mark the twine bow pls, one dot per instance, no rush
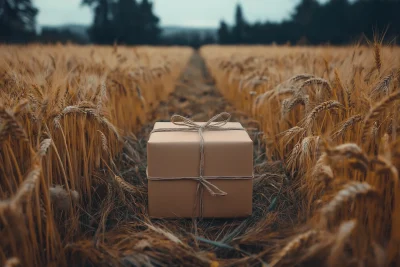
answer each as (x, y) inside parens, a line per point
(216, 123)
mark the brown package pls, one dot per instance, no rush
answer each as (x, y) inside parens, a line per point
(228, 156)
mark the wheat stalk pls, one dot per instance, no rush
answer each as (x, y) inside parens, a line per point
(322, 169)
(289, 104)
(377, 56)
(289, 134)
(382, 86)
(387, 165)
(21, 106)
(294, 247)
(44, 145)
(311, 116)
(374, 112)
(318, 81)
(350, 151)
(12, 126)
(309, 147)
(347, 124)
(104, 141)
(12, 262)
(300, 77)
(165, 233)
(341, 236)
(126, 186)
(349, 192)
(28, 186)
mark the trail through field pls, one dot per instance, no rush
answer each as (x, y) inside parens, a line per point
(196, 97)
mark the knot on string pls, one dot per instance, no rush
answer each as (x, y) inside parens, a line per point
(215, 123)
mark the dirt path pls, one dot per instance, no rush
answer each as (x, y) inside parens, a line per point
(196, 97)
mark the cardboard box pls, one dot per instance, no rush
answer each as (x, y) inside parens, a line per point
(228, 159)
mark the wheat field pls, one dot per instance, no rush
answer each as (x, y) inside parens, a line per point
(64, 111)
(329, 113)
(73, 126)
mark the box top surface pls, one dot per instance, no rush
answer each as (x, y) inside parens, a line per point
(210, 136)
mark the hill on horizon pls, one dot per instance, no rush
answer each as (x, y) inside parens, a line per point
(167, 31)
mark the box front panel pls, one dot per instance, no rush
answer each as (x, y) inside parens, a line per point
(177, 199)
(183, 159)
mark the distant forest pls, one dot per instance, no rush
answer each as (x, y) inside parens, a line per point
(133, 22)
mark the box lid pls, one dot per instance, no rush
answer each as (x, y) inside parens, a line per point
(177, 154)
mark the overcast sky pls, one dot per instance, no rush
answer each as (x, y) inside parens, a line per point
(190, 13)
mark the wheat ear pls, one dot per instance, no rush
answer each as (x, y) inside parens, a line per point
(347, 124)
(44, 145)
(301, 77)
(28, 185)
(330, 104)
(318, 81)
(348, 193)
(374, 112)
(125, 185)
(341, 236)
(300, 242)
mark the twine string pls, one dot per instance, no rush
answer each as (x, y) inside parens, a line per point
(216, 123)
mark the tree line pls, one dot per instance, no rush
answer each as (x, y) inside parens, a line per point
(124, 21)
(133, 22)
(334, 22)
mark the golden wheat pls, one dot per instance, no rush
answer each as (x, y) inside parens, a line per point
(357, 153)
(63, 112)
